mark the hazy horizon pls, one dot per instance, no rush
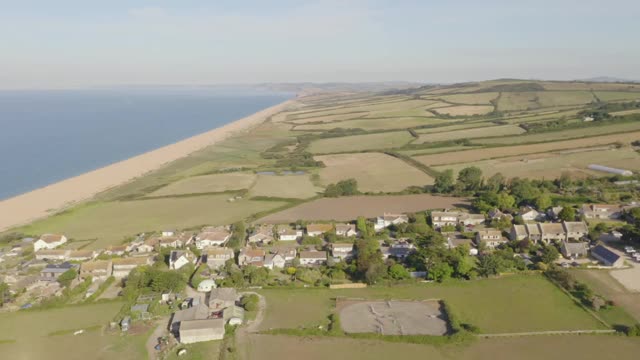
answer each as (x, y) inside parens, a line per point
(74, 44)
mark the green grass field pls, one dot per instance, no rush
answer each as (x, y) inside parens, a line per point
(385, 123)
(207, 184)
(508, 304)
(208, 350)
(374, 172)
(285, 186)
(266, 347)
(48, 334)
(480, 132)
(111, 222)
(386, 140)
(562, 134)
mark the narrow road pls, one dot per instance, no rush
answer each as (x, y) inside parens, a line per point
(160, 330)
(251, 327)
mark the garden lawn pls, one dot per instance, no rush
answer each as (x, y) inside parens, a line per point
(517, 303)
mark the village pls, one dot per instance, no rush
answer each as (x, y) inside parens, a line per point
(211, 297)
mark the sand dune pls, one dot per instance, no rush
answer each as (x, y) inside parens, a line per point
(42, 202)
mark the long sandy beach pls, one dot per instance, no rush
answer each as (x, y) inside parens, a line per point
(42, 202)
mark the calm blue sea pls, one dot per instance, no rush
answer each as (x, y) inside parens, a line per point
(48, 136)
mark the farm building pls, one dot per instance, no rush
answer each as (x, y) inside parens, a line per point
(221, 298)
(607, 256)
(193, 331)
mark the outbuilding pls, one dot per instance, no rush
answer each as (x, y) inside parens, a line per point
(193, 331)
(206, 285)
(607, 256)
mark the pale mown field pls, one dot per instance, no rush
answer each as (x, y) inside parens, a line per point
(374, 172)
(464, 110)
(207, 184)
(501, 130)
(617, 95)
(470, 99)
(386, 140)
(285, 186)
(506, 151)
(34, 334)
(376, 124)
(514, 101)
(563, 134)
(553, 165)
(524, 348)
(111, 222)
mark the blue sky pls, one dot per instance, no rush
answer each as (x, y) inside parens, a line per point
(53, 44)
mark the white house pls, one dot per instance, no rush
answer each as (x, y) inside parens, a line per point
(180, 258)
(274, 261)
(530, 214)
(444, 218)
(347, 230)
(388, 219)
(217, 236)
(288, 234)
(49, 241)
(342, 251)
(490, 237)
(310, 258)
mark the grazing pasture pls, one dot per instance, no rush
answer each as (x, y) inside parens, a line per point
(618, 95)
(379, 141)
(285, 186)
(207, 184)
(266, 347)
(470, 99)
(553, 164)
(111, 222)
(506, 151)
(349, 208)
(49, 334)
(386, 123)
(516, 303)
(594, 130)
(374, 172)
(329, 118)
(486, 131)
(464, 110)
(518, 101)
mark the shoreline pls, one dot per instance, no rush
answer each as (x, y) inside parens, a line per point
(45, 201)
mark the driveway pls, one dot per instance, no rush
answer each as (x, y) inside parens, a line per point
(243, 335)
(152, 341)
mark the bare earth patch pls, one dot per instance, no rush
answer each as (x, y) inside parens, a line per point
(394, 318)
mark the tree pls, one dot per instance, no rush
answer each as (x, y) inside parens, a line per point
(5, 294)
(367, 256)
(542, 202)
(398, 272)
(439, 271)
(67, 277)
(495, 182)
(470, 178)
(238, 237)
(375, 272)
(549, 254)
(488, 265)
(443, 183)
(567, 214)
(342, 188)
(363, 228)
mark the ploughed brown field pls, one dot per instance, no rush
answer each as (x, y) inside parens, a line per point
(349, 208)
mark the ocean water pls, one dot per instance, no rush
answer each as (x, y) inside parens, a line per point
(48, 136)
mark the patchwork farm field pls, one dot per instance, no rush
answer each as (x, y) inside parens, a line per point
(562, 134)
(386, 140)
(112, 222)
(349, 208)
(552, 165)
(517, 303)
(207, 184)
(266, 347)
(285, 186)
(385, 123)
(374, 172)
(464, 110)
(49, 334)
(456, 157)
(486, 131)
